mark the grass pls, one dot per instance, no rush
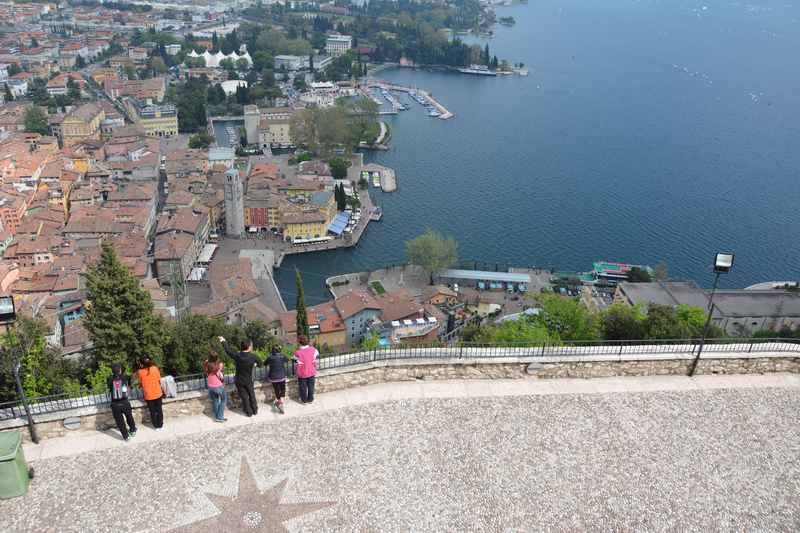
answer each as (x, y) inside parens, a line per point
(377, 287)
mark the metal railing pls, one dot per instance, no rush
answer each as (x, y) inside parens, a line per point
(194, 382)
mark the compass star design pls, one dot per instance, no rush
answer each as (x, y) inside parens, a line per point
(251, 510)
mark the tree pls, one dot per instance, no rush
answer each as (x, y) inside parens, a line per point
(42, 368)
(341, 197)
(302, 316)
(14, 69)
(8, 96)
(338, 168)
(521, 331)
(311, 62)
(228, 64)
(257, 332)
(567, 318)
(80, 62)
(661, 271)
(623, 322)
(662, 323)
(242, 64)
(432, 251)
(639, 275)
(119, 317)
(201, 140)
(35, 120)
(158, 65)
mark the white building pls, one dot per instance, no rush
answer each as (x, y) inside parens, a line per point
(17, 87)
(291, 63)
(213, 60)
(173, 49)
(230, 86)
(337, 45)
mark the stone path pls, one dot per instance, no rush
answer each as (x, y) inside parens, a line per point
(656, 453)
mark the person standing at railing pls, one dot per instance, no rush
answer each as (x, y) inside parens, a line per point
(150, 378)
(215, 380)
(118, 387)
(245, 363)
(276, 363)
(307, 359)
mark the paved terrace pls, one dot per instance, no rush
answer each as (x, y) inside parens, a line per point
(714, 453)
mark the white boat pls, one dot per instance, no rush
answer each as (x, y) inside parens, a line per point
(433, 113)
(478, 70)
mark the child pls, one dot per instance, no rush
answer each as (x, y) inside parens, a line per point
(118, 387)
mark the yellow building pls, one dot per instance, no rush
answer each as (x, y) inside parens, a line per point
(83, 123)
(275, 127)
(304, 225)
(155, 120)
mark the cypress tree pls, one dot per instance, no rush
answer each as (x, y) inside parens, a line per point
(120, 318)
(302, 317)
(9, 97)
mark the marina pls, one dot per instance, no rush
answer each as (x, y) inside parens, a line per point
(424, 98)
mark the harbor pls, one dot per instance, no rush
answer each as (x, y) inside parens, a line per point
(424, 98)
(380, 176)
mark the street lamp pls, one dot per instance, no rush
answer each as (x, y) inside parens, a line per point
(723, 262)
(8, 315)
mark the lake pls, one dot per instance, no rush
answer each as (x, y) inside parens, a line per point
(645, 132)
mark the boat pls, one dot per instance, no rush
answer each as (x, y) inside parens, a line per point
(478, 70)
(376, 179)
(433, 113)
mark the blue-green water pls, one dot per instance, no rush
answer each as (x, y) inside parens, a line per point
(608, 150)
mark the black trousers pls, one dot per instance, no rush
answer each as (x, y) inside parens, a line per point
(156, 413)
(279, 387)
(248, 397)
(306, 386)
(121, 409)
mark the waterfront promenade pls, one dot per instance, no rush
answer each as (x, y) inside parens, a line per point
(658, 453)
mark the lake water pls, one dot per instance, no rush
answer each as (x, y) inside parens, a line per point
(646, 131)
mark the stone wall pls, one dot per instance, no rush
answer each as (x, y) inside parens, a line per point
(196, 402)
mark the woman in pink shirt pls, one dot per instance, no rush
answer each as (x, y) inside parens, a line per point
(307, 359)
(215, 379)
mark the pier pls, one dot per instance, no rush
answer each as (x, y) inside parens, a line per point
(444, 114)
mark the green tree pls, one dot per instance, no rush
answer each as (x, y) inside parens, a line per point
(567, 318)
(663, 323)
(201, 140)
(8, 96)
(521, 331)
(80, 63)
(623, 322)
(190, 340)
(14, 69)
(257, 332)
(302, 316)
(639, 275)
(35, 120)
(338, 168)
(157, 65)
(432, 251)
(42, 368)
(119, 317)
(242, 64)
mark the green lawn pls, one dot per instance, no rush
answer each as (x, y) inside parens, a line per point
(377, 287)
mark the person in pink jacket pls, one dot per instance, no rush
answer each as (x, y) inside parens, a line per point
(307, 359)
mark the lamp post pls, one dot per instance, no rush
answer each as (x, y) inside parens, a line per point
(8, 316)
(723, 262)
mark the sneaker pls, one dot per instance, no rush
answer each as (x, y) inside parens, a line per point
(132, 433)
(160, 429)
(126, 439)
(220, 419)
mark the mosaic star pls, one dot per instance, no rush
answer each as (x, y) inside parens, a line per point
(251, 510)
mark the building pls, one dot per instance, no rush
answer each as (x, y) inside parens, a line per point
(274, 128)
(234, 204)
(359, 310)
(291, 63)
(738, 312)
(304, 225)
(252, 118)
(82, 124)
(155, 120)
(485, 280)
(213, 60)
(337, 45)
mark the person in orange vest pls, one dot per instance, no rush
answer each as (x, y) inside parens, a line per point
(150, 378)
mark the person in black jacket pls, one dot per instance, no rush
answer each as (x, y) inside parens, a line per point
(245, 362)
(277, 376)
(118, 387)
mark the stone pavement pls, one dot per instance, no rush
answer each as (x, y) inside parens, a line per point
(654, 453)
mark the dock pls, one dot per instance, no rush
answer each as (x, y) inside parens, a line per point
(444, 114)
(388, 180)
